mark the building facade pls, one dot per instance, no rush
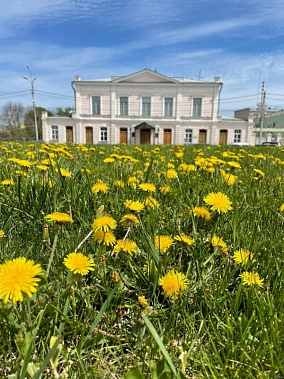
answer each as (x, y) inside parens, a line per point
(272, 127)
(146, 107)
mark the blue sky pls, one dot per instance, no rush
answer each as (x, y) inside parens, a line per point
(239, 40)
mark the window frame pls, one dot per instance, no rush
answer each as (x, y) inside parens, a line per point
(188, 136)
(237, 135)
(143, 102)
(197, 108)
(168, 107)
(96, 112)
(54, 131)
(122, 104)
(103, 134)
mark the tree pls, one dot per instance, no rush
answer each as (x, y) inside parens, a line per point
(63, 112)
(12, 115)
(29, 119)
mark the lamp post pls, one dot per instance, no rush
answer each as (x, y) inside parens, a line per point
(31, 80)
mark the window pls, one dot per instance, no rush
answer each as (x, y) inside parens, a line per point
(96, 104)
(146, 106)
(168, 106)
(188, 136)
(196, 107)
(54, 132)
(237, 135)
(124, 106)
(103, 134)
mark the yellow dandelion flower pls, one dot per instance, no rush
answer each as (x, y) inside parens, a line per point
(18, 276)
(109, 160)
(24, 163)
(2, 234)
(46, 182)
(147, 267)
(171, 174)
(234, 164)
(228, 178)
(42, 167)
(147, 187)
(165, 189)
(78, 263)
(202, 212)
(135, 206)
(142, 301)
(47, 162)
(132, 180)
(100, 187)
(129, 220)
(104, 238)
(251, 278)
(185, 239)
(104, 223)
(219, 202)
(173, 284)
(243, 256)
(126, 245)
(64, 172)
(163, 243)
(259, 172)
(282, 208)
(115, 276)
(59, 217)
(151, 202)
(218, 242)
(8, 182)
(85, 171)
(119, 183)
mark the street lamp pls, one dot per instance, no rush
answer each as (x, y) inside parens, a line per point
(31, 80)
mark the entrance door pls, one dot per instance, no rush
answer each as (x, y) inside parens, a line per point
(89, 135)
(223, 137)
(69, 134)
(145, 136)
(202, 136)
(123, 135)
(167, 136)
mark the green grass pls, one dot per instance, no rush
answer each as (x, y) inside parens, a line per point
(216, 328)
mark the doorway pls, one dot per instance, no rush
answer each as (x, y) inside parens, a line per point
(167, 136)
(145, 136)
(223, 137)
(123, 135)
(69, 134)
(89, 135)
(202, 136)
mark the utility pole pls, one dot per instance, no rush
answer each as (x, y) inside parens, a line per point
(262, 112)
(31, 80)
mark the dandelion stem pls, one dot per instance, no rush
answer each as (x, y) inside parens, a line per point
(126, 234)
(52, 252)
(84, 240)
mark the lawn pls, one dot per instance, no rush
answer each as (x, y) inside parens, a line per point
(141, 262)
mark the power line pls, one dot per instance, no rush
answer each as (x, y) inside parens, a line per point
(13, 93)
(238, 97)
(54, 94)
(274, 94)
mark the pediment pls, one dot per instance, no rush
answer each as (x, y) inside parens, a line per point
(144, 125)
(146, 76)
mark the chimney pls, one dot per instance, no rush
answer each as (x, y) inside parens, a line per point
(77, 78)
(217, 79)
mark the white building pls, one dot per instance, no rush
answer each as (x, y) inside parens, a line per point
(146, 107)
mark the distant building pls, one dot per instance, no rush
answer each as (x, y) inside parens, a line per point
(273, 124)
(146, 107)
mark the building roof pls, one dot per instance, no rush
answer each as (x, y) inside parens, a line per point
(149, 76)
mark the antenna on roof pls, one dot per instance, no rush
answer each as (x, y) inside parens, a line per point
(199, 75)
